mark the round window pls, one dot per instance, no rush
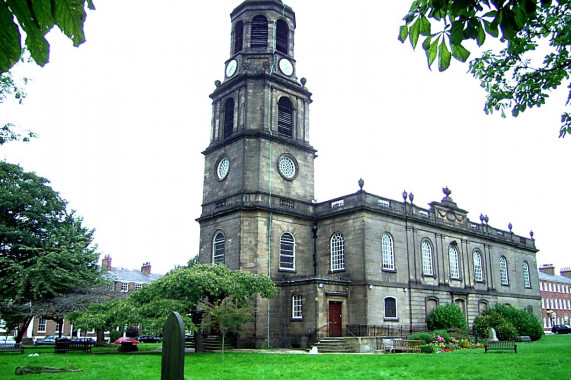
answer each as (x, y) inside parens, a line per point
(223, 168)
(287, 167)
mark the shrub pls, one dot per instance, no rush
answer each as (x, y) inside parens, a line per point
(132, 332)
(523, 322)
(443, 333)
(429, 349)
(446, 316)
(506, 331)
(464, 343)
(424, 337)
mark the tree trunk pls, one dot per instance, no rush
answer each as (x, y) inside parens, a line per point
(22, 329)
(223, 335)
(100, 337)
(197, 320)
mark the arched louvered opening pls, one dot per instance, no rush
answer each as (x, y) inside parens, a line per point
(238, 37)
(282, 35)
(285, 117)
(218, 248)
(228, 118)
(259, 36)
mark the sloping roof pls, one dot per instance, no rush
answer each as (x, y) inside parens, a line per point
(131, 275)
(554, 277)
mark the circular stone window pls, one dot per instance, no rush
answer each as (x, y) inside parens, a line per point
(287, 167)
(223, 168)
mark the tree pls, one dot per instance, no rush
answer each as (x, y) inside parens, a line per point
(228, 315)
(515, 77)
(36, 19)
(45, 251)
(184, 289)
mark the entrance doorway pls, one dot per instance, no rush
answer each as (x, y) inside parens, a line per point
(335, 325)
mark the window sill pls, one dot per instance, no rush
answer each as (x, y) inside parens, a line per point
(506, 285)
(456, 278)
(391, 319)
(429, 275)
(389, 270)
(479, 281)
(297, 319)
(336, 270)
(286, 270)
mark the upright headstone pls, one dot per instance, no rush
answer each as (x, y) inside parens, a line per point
(173, 348)
(492, 336)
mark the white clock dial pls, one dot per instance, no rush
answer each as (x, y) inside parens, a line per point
(286, 67)
(223, 168)
(231, 68)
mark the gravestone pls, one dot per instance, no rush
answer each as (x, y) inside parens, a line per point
(492, 336)
(173, 348)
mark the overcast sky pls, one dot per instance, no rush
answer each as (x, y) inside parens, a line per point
(123, 119)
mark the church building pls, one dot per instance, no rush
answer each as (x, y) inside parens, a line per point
(359, 260)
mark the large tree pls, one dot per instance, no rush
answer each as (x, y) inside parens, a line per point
(516, 77)
(45, 251)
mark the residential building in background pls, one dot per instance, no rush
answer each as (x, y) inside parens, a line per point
(555, 296)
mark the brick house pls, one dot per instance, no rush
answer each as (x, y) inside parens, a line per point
(555, 293)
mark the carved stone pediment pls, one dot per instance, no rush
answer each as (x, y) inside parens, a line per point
(447, 209)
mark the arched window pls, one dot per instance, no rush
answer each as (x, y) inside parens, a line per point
(228, 118)
(478, 273)
(504, 279)
(426, 248)
(218, 248)
(390, 307)
(287, 252)
(337, 252)
(238, 37)
(482, 306)
(526, 279)
(282, 35)
(388, 252)
(285, 117)
(454, 265)
(431, 303)
(259, 36)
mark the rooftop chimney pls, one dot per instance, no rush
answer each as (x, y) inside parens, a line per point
(146, 268)
(547, 269)
(566, 272)
(106, 263)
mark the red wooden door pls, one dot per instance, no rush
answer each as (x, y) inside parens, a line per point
(335, 325)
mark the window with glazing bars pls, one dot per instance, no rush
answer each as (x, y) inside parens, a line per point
(390, 307)
(454, 266)
(388, 252)
(426, 248)
(478, 273)
(282, 35)
(218, 248)
(285, 117)
(287, 252)
(504, 271)
(238, 37)
(337, 252)
(259, 36)
(296, 307)
(526, 279)
(228, 117)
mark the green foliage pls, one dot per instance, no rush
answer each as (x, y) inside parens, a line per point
(36, 19)
(45, 251)
(446, 316)
(513, 78)
(114, 335)
(442, 333)
(429, 349)
(506, 331)
(424, 337)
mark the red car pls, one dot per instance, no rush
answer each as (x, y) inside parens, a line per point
(126, 339)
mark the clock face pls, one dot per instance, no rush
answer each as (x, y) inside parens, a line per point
(231, 68)
(286, 67)
(223, 168)
(287, 167)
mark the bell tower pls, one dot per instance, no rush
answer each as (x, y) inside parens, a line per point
(259, 161)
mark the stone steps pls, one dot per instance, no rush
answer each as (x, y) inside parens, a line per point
(333, 345)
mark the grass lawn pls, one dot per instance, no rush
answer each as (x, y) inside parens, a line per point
(548, 358)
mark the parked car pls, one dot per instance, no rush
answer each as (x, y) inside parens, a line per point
(89, 340)
(7, 340)
(148, 339)
(48, 340)
(126, 339)
(561, 329)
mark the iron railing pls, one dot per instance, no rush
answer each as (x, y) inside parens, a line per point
(383, 330)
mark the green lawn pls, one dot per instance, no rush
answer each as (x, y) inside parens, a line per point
(547, 358)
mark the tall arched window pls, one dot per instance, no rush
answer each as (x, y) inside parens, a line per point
(478, 273)
(390, 307)
(218, 248)
(259, 36)
(431, 303)
(228, 118)
(287, 252)
(282, 35)
(454, 265)
(526, 279)
(337, 252)
(285, 117)
(426, 248)
(504, 271)
(238, 37)
(388, 252)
